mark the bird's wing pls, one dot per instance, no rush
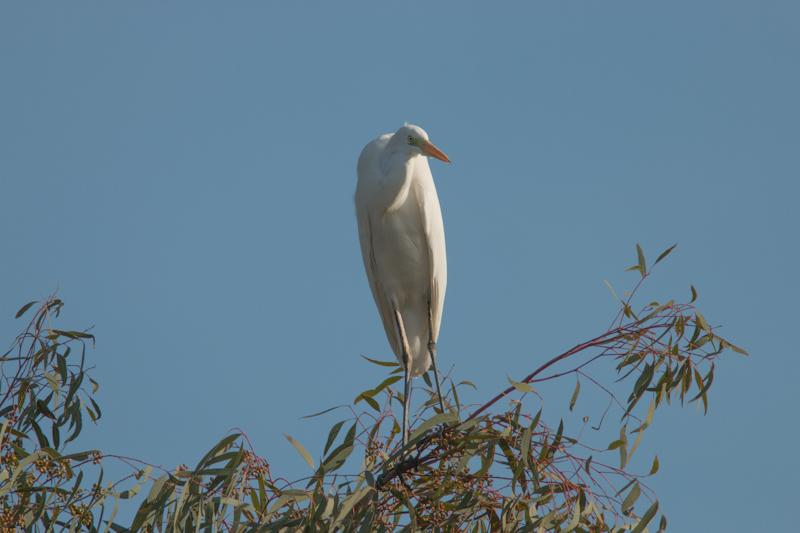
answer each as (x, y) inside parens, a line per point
(431, 215)
(381, 299)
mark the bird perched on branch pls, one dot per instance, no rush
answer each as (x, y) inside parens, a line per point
(402, 243)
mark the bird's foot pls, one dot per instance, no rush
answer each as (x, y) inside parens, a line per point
(437, 434)
(402, 467)
(404, 482)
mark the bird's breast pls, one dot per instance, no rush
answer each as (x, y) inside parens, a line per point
(403, 260)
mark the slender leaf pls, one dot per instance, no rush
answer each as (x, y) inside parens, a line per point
(655, 466)
(441, 418)
(612, 289)
(523, 387)
(332, 435)
(576, 518)
(665, 254)
(702, 321)
(381, 363)
(726, 344)
(302, 450)
(630, 499)
(24, 308)
(525, 447)
(648, 516)
(323, 412)
(372, 403)
(575, 395)
(642, 266)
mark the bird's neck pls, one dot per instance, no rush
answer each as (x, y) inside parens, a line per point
(397, 180)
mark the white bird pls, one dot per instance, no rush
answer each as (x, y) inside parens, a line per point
(402, 243)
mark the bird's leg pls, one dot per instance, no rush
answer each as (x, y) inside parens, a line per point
(432, 351)
(406, 353)
(406, 400)
(401, 332)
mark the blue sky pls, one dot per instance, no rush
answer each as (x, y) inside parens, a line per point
(184, 174)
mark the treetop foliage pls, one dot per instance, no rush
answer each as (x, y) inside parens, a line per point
(471, 468)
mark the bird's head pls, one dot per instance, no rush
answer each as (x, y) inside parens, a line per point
(415, 140)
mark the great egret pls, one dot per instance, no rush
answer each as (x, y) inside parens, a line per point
(402, 243)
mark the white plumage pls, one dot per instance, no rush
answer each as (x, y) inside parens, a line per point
(402, 243)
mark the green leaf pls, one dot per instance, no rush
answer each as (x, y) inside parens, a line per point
(694, 295)
(634, 267)
(702, 340)
(76, 334)
(332, 435)
(364, 395)
(339, 454)
(650, 411)
(381, 363)
(42, 408)
(299, 493)
(280, 502)
(24, 308)
(703, 385)
(697, 330)
(628, 484)
(525, 447)
(642, 383)
(323, 412)
(62, 368)
(642, 266)
(575, 395)
(648, 516)
(576, 518)
(43, 442)
(631, 498)
(536, 419)
(156, 488)
(347, 505)
(612, 289)
(702, 321)
(469, 423)
(80, 456)
(523, 387)
(665, 254)
(655, 466)
(302, 450)
(726, 344)
(367, 395)
(96, 408)
(455, 396)
(372, 403)
(586, 466)
(441, 418)
(427, 379)
(386, 383)
(35, 456)
(351, 434)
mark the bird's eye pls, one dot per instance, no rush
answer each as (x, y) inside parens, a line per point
(410, 139)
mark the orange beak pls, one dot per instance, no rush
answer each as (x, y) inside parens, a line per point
(431, 151)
